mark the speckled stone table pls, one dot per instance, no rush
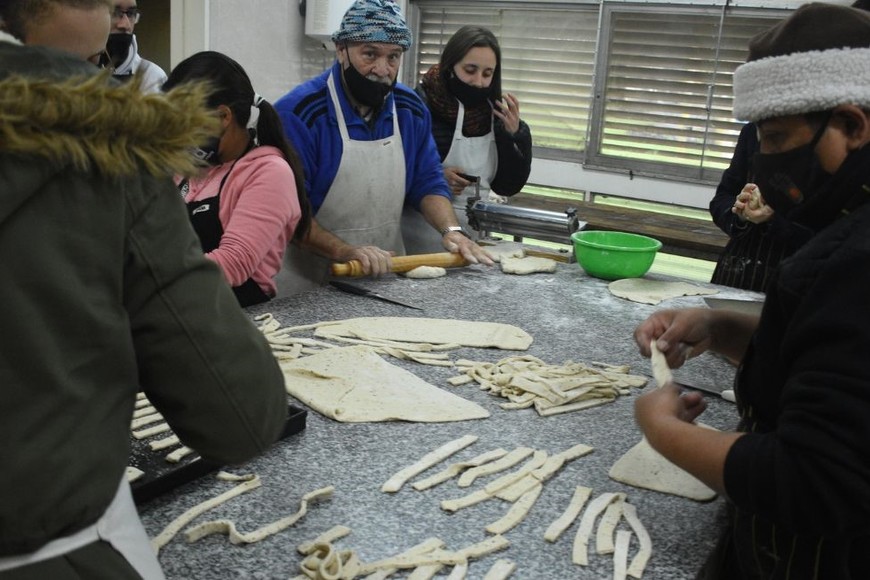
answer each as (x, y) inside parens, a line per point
(571, 317)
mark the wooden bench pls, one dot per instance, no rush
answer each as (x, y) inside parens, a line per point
(683, 236)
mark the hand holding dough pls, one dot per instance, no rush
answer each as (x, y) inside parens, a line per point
(660, 369)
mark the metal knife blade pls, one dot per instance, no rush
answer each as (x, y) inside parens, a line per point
(360, 291)
(745, 306)
(726, 394)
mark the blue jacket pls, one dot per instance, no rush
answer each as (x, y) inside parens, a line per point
(309, 119)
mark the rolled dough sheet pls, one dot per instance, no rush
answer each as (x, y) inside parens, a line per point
(355, 385)
(527, 265)
(654, 291)
(644, 467)
(430, 330)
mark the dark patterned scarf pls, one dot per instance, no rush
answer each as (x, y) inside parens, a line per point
(478, 120)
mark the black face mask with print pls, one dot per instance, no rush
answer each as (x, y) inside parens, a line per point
(368, 92)
(118, 46)
(208, 152)
(468, 95)
(787, 179)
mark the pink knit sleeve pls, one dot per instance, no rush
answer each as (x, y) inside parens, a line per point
(259, 212)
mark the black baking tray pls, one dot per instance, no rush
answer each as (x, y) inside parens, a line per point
(162, 476)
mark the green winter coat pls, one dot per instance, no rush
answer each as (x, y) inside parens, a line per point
(104, 291)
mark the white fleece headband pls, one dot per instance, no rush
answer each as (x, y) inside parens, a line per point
(814, 60)
(6, 37)
(802, 82)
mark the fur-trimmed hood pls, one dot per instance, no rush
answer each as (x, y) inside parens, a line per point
(57, 111)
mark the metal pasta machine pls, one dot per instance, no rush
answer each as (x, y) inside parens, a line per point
(523, 222)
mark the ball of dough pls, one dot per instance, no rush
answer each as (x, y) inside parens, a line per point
(425, 272)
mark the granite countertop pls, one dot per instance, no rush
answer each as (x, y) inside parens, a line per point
(571, 317)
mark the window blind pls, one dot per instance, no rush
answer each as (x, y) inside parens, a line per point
(659, 103)
(665, 89)
(547, 61)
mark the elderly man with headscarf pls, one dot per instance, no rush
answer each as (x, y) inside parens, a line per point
(366, 143)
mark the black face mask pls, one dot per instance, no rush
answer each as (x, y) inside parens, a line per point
(468, 95)
(208, 152)
(366, 91)
(118, 46)
(787, 179)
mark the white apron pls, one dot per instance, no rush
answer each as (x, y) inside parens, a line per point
(120, 526)
(476, 156)
(363, 206)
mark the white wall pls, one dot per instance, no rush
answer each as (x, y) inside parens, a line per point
(267, 37)
(264, 36)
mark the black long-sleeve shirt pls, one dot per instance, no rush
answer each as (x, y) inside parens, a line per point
(753, 251)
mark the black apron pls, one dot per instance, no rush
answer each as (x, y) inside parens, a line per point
(749, 259)
(206, 223)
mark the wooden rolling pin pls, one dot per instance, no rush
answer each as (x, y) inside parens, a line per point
(403, 263)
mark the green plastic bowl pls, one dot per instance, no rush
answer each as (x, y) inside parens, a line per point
(614, 255)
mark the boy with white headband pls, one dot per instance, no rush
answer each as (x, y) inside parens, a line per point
(797, 472)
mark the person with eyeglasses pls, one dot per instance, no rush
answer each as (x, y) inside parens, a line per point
(123, 49)
(106, 292)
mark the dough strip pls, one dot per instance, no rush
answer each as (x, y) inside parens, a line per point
(175, 525)
(660, 369)
(501, 570)
(228, 527)
(575, 506)
(580, 552)
(620, 554)
(457, 468)
(396, 482)
(638, 563)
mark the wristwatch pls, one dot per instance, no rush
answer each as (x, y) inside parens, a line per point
(448, 229)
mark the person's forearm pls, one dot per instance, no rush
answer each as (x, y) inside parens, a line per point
(698, 450)
(438, 211)
(324, 243)
(731, 333)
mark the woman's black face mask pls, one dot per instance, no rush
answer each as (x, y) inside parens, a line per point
(786, 179)
(366, 91)
(208, 152)
(468, 95)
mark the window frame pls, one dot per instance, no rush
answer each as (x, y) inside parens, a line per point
(412, 59)
(718, 89)
(589, 157)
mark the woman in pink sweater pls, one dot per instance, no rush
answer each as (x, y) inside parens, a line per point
(250, 202)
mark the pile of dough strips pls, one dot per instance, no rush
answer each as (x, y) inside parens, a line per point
(524, 380)
(287, 347)
(528, 381)
(521, 488)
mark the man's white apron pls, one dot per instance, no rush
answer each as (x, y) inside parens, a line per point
(363, 206)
